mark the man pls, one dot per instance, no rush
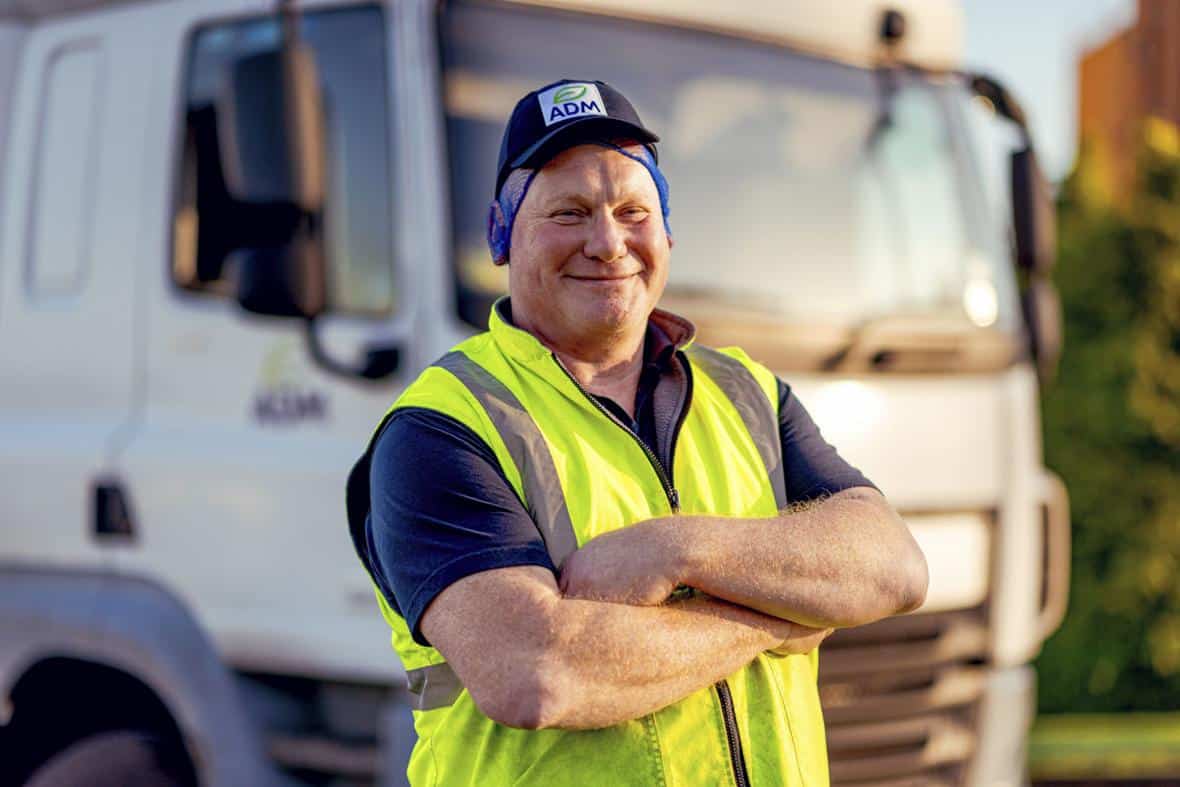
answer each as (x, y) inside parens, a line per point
(607, 554)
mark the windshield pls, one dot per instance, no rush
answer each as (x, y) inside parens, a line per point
(802, 191)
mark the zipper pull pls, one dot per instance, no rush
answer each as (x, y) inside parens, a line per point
(674, 499)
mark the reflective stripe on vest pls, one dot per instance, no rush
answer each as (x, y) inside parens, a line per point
(436, 686)
(757, 413)
(530, 452)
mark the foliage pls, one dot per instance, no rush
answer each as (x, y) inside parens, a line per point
(1092, 746)
(1112, 430)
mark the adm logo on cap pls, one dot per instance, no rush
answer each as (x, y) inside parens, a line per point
(570, 101)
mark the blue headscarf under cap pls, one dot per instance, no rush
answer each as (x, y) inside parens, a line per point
(502, 210)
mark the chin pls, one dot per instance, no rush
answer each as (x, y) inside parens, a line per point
(609, 314)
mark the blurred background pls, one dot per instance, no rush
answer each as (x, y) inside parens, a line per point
(1101, 84)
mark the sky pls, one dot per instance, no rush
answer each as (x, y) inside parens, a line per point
(1033, 46)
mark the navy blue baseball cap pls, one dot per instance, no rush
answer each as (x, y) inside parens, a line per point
(561, 115)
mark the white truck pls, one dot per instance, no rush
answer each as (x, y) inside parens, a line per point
(231, 232)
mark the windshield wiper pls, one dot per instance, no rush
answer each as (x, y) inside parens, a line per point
(921, 343)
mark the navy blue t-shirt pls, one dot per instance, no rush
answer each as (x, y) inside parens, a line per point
(441, 508)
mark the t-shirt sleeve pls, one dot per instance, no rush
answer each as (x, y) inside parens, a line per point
(813, 467)
(441, 509)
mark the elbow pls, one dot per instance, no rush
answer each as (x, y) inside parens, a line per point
(527, 705)
(535, 697)
(898, 586)
(906, 576)
(900, 576)
(911, 579)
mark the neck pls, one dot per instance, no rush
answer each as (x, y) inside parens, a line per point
(609, 367)
(616, 379)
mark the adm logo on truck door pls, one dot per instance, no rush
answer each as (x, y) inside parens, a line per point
(283, 397)
(569, 101)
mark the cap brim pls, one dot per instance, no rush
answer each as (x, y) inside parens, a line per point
(575, 132)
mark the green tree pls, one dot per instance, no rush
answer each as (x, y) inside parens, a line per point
(1112, 430)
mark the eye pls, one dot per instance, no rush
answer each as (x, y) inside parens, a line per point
(634, 212)
(566, 214)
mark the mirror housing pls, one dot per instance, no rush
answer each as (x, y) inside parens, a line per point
(282, 281)
(1042, 314)
(271, 128)
(271, 134)
(1034, 216)
(1034, 229)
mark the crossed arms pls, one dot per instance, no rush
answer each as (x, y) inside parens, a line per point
(606, 646)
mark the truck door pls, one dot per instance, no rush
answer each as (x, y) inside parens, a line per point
(67, 321)
(237, 472)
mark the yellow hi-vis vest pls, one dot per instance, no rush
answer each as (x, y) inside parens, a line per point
(580, 474)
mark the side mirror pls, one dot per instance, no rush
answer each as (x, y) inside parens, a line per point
(1034, 226)
(1034, 216)
(271, 129)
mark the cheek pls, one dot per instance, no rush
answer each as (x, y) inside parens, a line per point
(538, 255)
(547, 245)
(557, 241)
(655, 247)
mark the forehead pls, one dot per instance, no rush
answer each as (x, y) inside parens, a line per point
(593, 170)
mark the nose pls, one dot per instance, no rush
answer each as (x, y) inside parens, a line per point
(607, 241)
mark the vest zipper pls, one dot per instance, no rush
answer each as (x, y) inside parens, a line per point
(732, 738)
(731, 735)
(669, 490)
(680, 416)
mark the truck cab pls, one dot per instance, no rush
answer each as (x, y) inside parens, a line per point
(232, 231)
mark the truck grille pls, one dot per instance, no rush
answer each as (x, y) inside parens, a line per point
(900, 697)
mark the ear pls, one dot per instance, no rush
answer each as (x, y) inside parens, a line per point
(499, 235)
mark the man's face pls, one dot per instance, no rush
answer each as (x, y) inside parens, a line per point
(589, 255)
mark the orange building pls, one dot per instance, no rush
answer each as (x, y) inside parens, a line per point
(1132, 75)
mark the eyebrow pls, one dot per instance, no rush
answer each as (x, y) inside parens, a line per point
(566, 196)
(625, 194)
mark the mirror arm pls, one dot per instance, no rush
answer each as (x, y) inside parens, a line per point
(381, 361)
(1005, 103)
(288, 23)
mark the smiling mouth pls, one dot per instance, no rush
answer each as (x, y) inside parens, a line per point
(604, 278)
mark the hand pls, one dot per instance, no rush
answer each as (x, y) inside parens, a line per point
(633, 565)
(800, 639)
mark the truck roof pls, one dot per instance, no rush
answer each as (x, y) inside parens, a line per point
(31, 10)
(848, 30)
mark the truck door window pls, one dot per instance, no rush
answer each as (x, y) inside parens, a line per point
(210, 225)
(63, 195)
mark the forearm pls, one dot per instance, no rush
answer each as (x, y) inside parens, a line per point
(532, 657)
(614, 662)
(842, 562)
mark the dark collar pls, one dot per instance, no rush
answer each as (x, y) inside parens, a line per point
(666, 333)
